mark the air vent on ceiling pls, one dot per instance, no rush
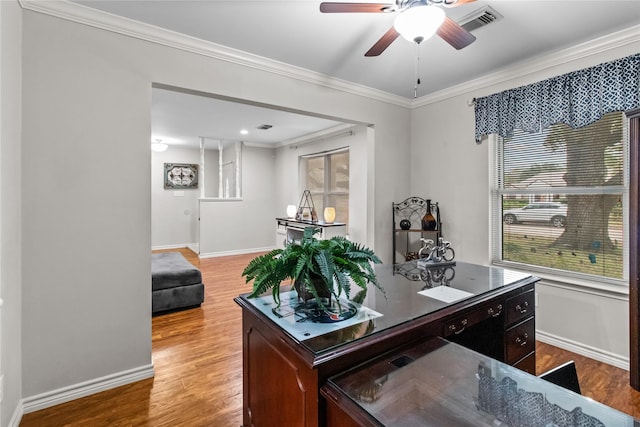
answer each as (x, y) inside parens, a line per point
(265, 127)
(479, 18)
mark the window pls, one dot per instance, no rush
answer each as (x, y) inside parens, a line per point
(326, 176)
(560, 199)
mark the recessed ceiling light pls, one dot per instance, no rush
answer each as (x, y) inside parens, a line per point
(159, 146)
(244, 132)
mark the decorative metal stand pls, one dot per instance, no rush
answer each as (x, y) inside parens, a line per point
(407, 227)
(306, 208)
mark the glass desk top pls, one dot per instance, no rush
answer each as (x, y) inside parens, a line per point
(440, 383)
(409, 293)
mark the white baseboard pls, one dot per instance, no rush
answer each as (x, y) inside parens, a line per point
(16, 417)
(76, 391)
(164, 247)
(236, 252)
(196, 248)
(584, 350)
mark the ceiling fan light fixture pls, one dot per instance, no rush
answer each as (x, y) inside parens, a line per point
(419, 23)
(159, 146)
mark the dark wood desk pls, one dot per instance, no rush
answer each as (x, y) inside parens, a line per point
(283, 370)
(438, 383)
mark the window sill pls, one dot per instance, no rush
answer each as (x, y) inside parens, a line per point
(589, 284)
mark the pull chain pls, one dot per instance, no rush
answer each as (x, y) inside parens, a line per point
(417, 71)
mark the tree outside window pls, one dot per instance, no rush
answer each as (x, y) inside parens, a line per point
(561, 196)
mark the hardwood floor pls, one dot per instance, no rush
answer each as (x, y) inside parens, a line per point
(599, 381)
(197, 361)
(197, 355)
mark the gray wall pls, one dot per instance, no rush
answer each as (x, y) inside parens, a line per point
(360, 180)
(174, 213)
(572, 315)
(86, 205)
(86, 294)
(230, 227)
(10, 208)
(269, 184)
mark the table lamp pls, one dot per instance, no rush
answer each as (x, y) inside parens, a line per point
(291, 211)
(329, 214)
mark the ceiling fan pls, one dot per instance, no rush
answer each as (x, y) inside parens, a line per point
(417, 21)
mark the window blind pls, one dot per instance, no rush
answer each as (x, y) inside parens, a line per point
(561, 197)
(326, 176)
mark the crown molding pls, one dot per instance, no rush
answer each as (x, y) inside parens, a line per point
(537, 64)
(98, 19)
(106, 21)
(345, 129)
(320, 135)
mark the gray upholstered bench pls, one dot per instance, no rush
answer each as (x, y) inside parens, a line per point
(175, 283)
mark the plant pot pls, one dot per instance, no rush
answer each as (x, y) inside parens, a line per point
(324, 310)
(305, 293)
(330, 311)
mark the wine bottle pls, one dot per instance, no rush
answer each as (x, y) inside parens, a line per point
(428, 220)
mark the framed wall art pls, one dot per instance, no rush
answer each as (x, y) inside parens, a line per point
(180, 175)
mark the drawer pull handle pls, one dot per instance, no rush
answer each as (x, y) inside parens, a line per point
(493, 313)
(457, 331)
(522, 308)
(522, 341)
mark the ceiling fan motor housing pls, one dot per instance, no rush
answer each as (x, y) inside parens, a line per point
(419, 22)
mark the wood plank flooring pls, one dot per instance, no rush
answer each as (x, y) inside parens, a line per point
(197, 355)
(601, 382)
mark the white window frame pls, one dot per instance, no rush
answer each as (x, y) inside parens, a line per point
(548, 274)
(326, 193)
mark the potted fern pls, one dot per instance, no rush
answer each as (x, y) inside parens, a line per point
(319, 269)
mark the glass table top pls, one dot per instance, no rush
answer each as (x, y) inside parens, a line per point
(441, 383)
(410, 292)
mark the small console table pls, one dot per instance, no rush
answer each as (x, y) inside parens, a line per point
(286, 364)
(289, 229)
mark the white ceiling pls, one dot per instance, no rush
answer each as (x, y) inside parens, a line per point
(294, 32)
(181, 118)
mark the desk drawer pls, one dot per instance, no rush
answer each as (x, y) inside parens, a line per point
(528, 364)
(520, 340)
(458, 324)
(520, 307)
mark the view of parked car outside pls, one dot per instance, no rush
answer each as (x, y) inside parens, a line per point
(545, 212)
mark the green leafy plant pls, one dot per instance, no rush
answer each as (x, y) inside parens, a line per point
(315, 265)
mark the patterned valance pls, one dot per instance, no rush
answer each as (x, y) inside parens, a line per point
(576, 99)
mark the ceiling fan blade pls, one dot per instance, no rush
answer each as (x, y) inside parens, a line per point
(454, 34)
(457, 3)
(331, 7)
(383, 42)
